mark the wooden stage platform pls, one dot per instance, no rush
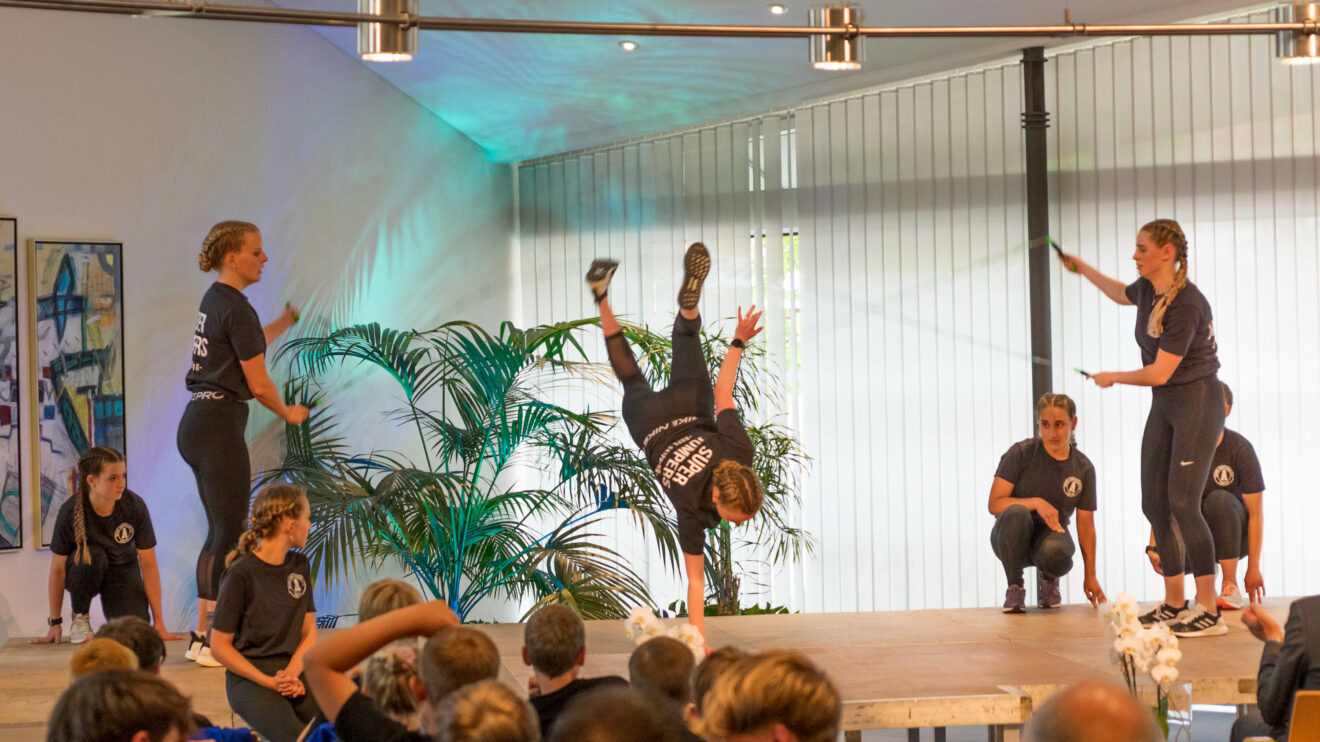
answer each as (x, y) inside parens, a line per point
(895, 670)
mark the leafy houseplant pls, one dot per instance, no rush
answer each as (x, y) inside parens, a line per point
(501, 494)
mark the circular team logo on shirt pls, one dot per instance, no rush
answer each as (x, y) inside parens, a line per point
(1072, 486)
(297, 586)
(123, 533)
(1224, 475)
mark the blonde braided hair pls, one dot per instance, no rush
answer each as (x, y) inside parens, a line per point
(270, 508)
(90, 464)
(1167, 232)
(387, 681)
(739, 488)
(224, 238)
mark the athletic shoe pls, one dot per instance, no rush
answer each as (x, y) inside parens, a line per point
(195, 643)
(1163, 613)
(205, 659)
(1199, 622)
(81, 629)
(598, 277)
(1047, 593)
(696, 264)
(1230, 598)
(1015, 600)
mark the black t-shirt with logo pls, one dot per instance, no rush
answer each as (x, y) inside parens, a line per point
(120, 534)
(1068, 485)
(1189, 331)
(263, 605)
(683, 453)
(227, 332)
(1235, 467)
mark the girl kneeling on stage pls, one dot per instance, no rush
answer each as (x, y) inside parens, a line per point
(691, 433)
(107, 531)
(1039, 483)
(265, 619)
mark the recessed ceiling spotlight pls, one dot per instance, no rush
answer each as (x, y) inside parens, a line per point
(777, 8)
(628, 46)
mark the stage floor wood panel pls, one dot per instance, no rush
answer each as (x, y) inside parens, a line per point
(894, 669)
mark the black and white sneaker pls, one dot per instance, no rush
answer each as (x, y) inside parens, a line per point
(599, 275)
(1199, 622)
(1163, 613)
(696, 264)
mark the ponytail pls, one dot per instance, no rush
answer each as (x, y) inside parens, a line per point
(1167, 232)
(270, 508)
(90, 464)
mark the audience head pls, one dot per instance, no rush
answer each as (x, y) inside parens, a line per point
(120, 706)
(138, 636)
(224, 238)
(554, 640)
(1092, 711)
(383, 596)
(737, 491)
(709, 671)
(772, 696)
(101, 654)
(611, 715)
(454, 657)
(277, 509)
(389, 681)
(661, 669)
(485, 712)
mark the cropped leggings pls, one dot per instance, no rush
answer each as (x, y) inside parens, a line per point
(211, 441)
(119, 585)
(1021, 539)
(689, 393)
(1181, 435)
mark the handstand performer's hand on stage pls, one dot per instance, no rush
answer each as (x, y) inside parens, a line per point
(690, 431)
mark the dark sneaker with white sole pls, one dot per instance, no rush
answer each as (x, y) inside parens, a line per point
(1047, 593)
(1015, 599)
(696, 264)
(1163, 613)
(598, 277)
(1199, 622)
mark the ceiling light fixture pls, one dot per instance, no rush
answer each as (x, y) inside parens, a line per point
(777, 9)
(843, 51)
(1298, 47)
(388, 42)
(628, 46)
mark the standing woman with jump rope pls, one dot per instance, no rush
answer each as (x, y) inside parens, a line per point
(1175, 332)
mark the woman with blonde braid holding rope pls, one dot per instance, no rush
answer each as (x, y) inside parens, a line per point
(1175, 332)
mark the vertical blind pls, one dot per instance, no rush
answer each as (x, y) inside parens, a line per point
(884, 233)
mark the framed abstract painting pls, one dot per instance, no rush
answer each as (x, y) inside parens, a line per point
(11, 463)
(79, 309)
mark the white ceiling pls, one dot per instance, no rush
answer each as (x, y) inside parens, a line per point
(522, 96)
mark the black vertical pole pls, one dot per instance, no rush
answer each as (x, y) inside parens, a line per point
(1035, 120)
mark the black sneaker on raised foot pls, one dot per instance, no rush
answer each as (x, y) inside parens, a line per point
(1162, 613)
(696, 264)
(1015, 599)
(1199, 622)
(598, 277)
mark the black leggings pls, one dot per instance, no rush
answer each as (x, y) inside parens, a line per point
(119, 585)
(689, 392)
(211, 442)
(1021, 539)
(1227, 517)
(1181, 435)
(275, 717)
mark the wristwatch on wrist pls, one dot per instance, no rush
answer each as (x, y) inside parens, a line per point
(1152, 550)
(737, 343)
(55, 621)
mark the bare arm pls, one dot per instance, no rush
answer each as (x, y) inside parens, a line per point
(283, 322)
(1086, 542)
(261, 386)
(1001, 497)
(295, 666)
(696, 591)
(55, 594)
(151, 580)
(222, 648)
(1254, 583)
(1156, 374)
(1115, 289)
(728, 374)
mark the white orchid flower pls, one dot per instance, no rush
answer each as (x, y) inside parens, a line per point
(1168, 656)
(1164, 674)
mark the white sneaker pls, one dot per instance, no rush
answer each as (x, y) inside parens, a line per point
(205, 659)
(80, 631)
(1230, 598)
(195, 644)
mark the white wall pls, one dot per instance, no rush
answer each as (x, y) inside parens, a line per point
(149, 131)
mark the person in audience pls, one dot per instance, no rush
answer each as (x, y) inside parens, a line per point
(611, 714)
(661, 669)
(555, 646)
(120, 706)
(454, 656)
(1040, 482)
(383, 596)
(1231, 504)
(103, 544)
(265, 619)
(1092, 711)
(1176, 335)
(1289, 662)
(389, 679)
(772, 697)
(705, 676)
(101, 654)
(227, 369)
(485, 711)
(138, 636)
(690, 431)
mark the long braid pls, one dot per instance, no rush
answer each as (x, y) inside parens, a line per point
(270, 508)
(90, 464)
(1167, 232)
